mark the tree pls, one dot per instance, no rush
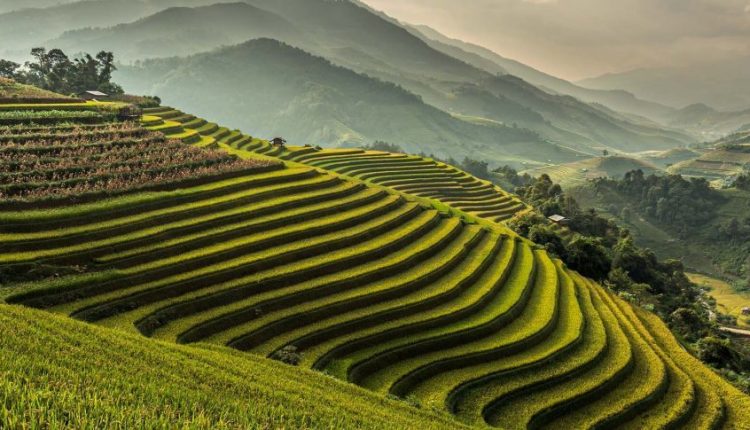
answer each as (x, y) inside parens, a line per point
(379, 145)
(718, 353)
(106, 66)
(605, 153)
(480, 169)
(53, 70)
(687, 323)
(8, 69)
(587, 256)
(552, 242)
(288, 355)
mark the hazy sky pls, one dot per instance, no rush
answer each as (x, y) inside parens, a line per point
(576, 39)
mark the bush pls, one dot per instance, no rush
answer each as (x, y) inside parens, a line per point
(589, 257)
(288, 355)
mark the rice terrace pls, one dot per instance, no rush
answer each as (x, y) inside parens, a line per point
(170, 267)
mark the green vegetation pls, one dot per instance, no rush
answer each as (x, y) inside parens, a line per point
(14, 92)
(673, 200)
(54, 71)
(59, 166)
(86, 377)
(597, 247)
(387, 270)
(729, 300)
(577, 173)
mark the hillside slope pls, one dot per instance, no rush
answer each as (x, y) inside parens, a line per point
(274, 89)
(492, 62)
(708, 122)
(390, 52)
(156, 385)
(394, 291)
(181, 31)
(337, 21)
(34, 24)
(11, 5)
(580, 172)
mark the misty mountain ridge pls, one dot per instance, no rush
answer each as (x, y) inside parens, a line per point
(180, 31)
(274, 89)
(334, 30)
(682, 86)
(491, 61)
(26, 28)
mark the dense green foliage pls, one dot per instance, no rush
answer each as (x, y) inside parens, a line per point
(54, 71)
(379, 145)
(600, 249)
(710, 223)
(743, 182)
(673, 200)
(510, 178)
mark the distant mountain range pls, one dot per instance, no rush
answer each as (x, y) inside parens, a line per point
(11, 5)
(24, 27)
(723, 85)
(473, 89)
(492, 62)
(708, 122)
(271, 88)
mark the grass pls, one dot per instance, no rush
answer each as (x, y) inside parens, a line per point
(125, 290)
(417, 364)
(478, 397)
(53, 378)
(639, 391)
(418, 174)
(271, 331)
(319, 295)
(587, 385)
(530, 326)
(728, 299)
(437, 390)
(390, 271)
(473, 283)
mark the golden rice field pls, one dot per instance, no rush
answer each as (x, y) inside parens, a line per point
(390, 272)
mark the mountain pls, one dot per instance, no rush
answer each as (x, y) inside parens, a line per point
(436, 76)
(356, 38)
(181, 31)
(710, 123)
(725, 85)
(11, 5)
(366, 42)
(492, 62)
(269, 88)
(21, 30)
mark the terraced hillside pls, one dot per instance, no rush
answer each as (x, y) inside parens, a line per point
(334, 272)
(413, 175)
(727, 158)
(59, 373)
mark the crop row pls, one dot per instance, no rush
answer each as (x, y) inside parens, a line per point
(419, 176)
(109, 161)
(364, 284)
